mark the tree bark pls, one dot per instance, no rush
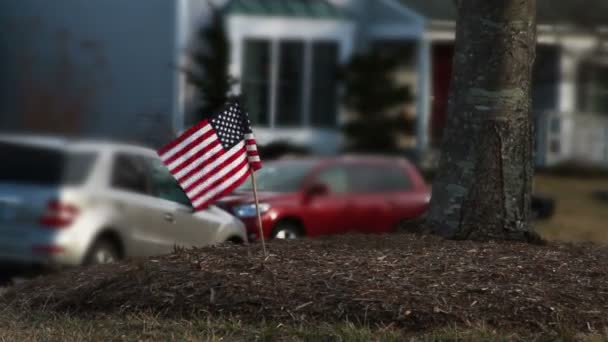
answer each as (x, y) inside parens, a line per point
(484, 182)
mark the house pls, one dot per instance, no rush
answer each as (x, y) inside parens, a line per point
(120, 60)
(284, 53)
(95, 68)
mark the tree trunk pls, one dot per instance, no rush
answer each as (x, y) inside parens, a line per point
(483, 186)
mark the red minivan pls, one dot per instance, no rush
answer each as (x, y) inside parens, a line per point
(313, 197)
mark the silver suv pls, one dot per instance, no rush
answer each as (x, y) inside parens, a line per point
(65, 203)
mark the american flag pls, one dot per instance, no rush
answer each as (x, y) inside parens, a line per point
(213, 157)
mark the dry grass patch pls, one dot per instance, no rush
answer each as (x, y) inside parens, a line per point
(578, 216)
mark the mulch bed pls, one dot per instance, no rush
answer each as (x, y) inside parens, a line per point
(407, 281)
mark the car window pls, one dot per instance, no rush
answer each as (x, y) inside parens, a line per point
(336, 178)
(78, 167)
(378, 178)
(284, 176)
(129, 173)
(163, 184)
(42, 165)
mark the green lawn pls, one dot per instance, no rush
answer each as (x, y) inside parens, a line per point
(50, 327)
(578, 216)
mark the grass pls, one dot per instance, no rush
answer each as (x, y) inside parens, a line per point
(578, 216)
(143, 327)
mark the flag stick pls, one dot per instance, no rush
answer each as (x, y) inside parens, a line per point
(257, 209)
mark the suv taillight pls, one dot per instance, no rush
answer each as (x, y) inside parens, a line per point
(58, 214)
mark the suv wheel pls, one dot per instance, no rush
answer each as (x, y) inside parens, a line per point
(102, 252)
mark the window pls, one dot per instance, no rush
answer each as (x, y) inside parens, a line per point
(556, 125)
(378, 178)
(283, 176)
(289, 86)
(545, 78)
(364, 178)
(593, 88)
(164, 185)
(44, 166)
(554, 146)
(129, 174)
(298, 98)
(78, 166)
(336, 178)
(256, 80)
(324, 84)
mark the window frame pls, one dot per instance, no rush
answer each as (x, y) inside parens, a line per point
(306, 86)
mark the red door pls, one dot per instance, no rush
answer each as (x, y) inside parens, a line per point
(383, 195)
(442, 74)
(374, 212)
(329, 213)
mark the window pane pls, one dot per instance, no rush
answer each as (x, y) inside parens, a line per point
(545, 78)
(164, 185)
(593, 88)
(393, 178)
(324, 84)
(256, 80)
(336, 179)
(43, 166)
(378, 178)
(600, 90)
(78, 167)
(289, 91)
(283, 176)
(129, 174)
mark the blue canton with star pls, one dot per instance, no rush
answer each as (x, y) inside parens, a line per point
(231, 125)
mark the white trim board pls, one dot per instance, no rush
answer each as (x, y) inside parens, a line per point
(250, 27)
(281, 27)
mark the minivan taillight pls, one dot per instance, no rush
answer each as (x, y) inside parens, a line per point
(58, 214)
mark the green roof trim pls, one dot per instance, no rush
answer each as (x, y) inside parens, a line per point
(313, 9)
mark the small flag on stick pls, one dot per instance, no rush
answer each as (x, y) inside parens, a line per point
(214, 157)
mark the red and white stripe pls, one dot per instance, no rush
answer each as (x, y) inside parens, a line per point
(252, 152)
(204, 169)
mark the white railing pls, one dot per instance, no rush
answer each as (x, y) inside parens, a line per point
(572, 136)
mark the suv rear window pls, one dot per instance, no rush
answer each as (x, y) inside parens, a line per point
(43, 166)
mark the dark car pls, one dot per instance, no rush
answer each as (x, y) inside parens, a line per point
(313, 197)
(543, 207)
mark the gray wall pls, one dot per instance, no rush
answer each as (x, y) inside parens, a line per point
(112, 61)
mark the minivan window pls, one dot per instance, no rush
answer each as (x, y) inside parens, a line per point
(38, 165)
(335, 178)
(283, 176)
(378, 178)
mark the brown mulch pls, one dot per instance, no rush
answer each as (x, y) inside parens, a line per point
(407, 281)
